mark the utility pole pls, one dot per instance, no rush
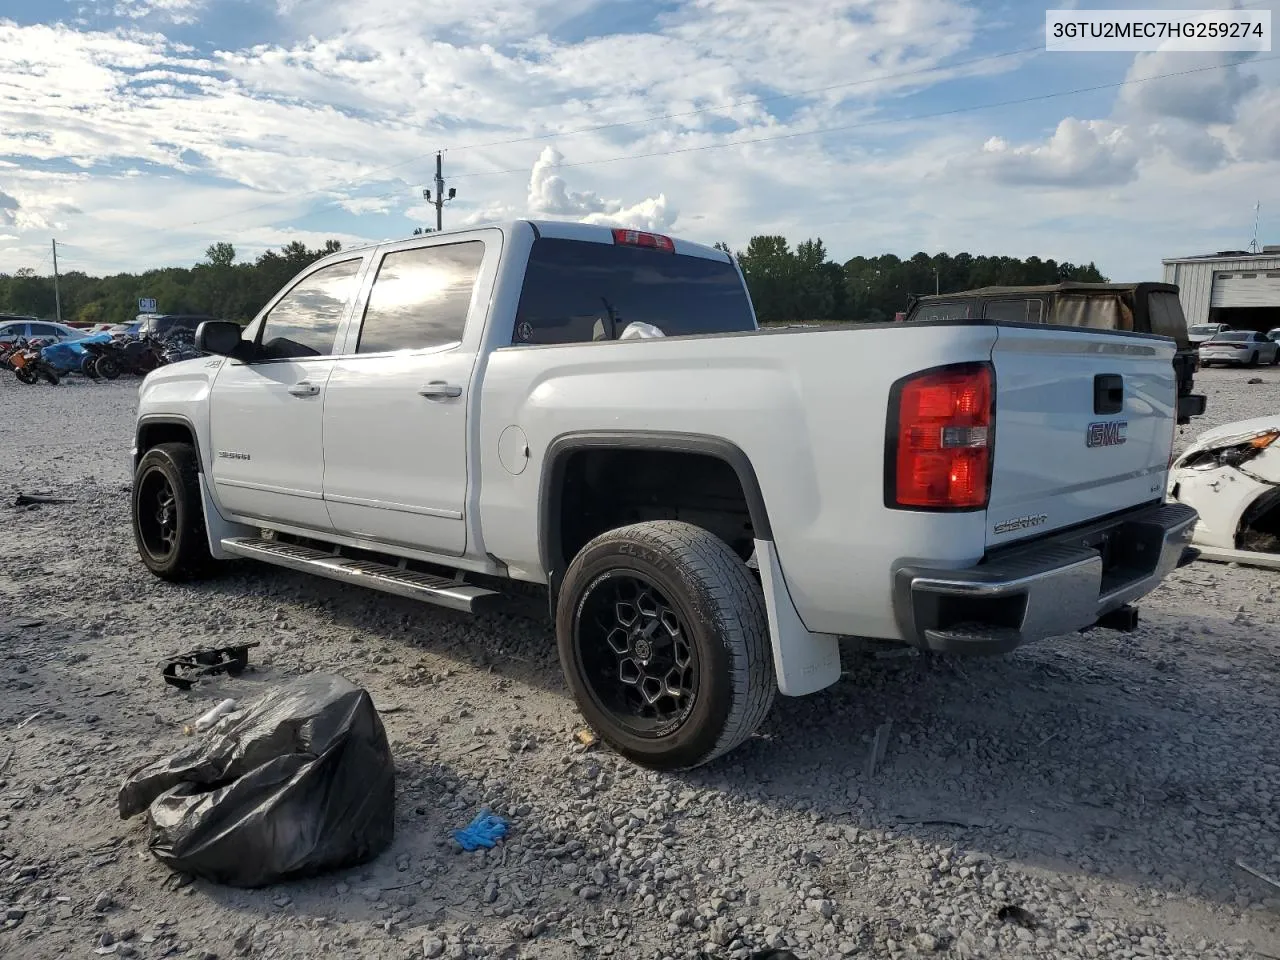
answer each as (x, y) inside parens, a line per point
(440, 199)
(57, 294)
(1253, 244)
(936, 288)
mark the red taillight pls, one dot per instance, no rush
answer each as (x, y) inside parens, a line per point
(636, 238)
(942, 441)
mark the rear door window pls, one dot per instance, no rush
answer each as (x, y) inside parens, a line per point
(304, 322)
(1028, 310)
(943, 310)
(578, 291)
(421, 297)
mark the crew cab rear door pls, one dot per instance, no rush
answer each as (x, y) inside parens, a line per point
(1084, 426)
(399, 400)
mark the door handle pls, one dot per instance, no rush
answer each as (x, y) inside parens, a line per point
(439, 390)
(304, 388)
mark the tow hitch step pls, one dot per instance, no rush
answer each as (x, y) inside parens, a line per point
(443, 592)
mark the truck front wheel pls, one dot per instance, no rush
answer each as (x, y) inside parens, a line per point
(664, 641)
(168, 518)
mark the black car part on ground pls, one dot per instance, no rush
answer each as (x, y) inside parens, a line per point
(300, 783)
(184, 669)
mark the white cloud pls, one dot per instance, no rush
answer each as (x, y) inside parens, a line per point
(175, 11)
(8, 210)
(550, 196)
(1080, 153)
(1207, 97)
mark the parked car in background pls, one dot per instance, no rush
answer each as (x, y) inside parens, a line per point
(1205, 331)
(24, 328)
(1231, 477)
(1274, 334)
(1239, 348)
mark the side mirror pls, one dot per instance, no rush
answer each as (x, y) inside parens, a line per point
(218, 336)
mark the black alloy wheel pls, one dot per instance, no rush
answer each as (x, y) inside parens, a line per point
(636, 656)
(157, 516)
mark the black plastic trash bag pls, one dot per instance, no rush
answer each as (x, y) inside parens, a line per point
(299, 783)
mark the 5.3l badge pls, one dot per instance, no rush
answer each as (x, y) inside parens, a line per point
(1106, 433)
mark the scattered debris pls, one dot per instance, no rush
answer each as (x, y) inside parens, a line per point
(1270, 881)
(586, 737)
(262, 804)
(30, 499)
(35, 716)
(484, 831)
(210, 717)
(1254, 380)
(184, 669)
(1012, 913)
(878, 748)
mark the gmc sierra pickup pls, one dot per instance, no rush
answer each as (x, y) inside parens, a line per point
(710, 506)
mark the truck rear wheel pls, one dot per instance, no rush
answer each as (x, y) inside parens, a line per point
(664, 641)
(168, 517)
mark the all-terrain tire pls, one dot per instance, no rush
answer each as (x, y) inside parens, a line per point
(177, 466)
(722, 612)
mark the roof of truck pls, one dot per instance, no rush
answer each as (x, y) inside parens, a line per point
(1071, 286)
(558, 229)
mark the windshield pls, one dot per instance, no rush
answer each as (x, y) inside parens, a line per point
(576, 292)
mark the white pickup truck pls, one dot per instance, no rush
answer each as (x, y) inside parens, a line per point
(711, 506)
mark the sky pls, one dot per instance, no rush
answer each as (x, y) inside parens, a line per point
(138, 132)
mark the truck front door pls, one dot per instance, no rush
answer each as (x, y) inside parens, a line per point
(266, 413)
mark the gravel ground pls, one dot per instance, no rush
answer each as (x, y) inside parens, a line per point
(1103, 785)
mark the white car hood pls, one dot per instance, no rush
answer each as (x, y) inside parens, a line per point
(1233, 433)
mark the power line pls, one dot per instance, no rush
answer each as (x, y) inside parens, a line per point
(883, 121)
(369, 174)
(533, 138)
(873, 123)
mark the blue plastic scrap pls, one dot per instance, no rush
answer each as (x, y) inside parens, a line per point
(484, 831)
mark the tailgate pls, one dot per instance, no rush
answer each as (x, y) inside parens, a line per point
(1084, 427)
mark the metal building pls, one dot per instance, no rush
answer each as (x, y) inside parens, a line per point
(1235, 287)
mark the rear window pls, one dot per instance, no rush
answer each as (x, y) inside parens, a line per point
(1204, 331)
(1234, 335)
(577, 292)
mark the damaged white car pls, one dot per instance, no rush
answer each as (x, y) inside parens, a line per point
(1231, 477)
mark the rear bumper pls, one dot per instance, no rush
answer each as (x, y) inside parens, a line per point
(1058, 584)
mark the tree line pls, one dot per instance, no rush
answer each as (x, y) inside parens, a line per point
(218, 286)
(805, 284)
(800, 284)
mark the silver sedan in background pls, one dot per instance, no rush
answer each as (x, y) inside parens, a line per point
(1242, 347)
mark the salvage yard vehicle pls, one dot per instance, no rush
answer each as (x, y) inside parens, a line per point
(1203, 332)
(1231, 477)
(709, 506)
(1142, 307)
(1240, 348)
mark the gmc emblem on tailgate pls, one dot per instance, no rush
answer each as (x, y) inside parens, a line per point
(1108, 433)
